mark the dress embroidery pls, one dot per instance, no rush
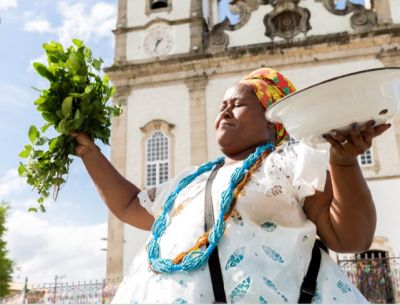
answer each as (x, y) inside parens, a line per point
(236, 217)
(268, 226)
(240, 291)
(273, 287)
(275, 256)
(235, 258)
(264, 251)
(151, 193)
(180, 207)
(274, 191)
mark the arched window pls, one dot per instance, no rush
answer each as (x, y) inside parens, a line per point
(157, 159)
(157, 4)
(157, 153)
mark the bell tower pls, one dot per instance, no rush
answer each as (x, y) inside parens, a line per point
(151, 29)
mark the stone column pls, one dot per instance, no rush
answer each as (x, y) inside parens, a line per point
(196, 26)
(115, 238)
(382, 10)
(120, 33)
(198, 119)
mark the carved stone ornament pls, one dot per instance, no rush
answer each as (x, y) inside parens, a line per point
(287, 20)
(157, 125)
(362, 19)
(243, 8)
(217, 39)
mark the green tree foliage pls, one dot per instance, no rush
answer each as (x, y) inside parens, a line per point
(6, 265)
(75, 100)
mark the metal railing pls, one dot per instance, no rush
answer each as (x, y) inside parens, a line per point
(96, 292)
(378, 278)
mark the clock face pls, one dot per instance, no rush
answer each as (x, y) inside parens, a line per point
(158, 41)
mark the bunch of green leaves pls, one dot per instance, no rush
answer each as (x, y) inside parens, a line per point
(76, 100)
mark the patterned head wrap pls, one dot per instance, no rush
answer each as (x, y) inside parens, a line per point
(270, 86)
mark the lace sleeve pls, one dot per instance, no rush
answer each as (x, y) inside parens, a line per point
(148, 198)
(153, 198)
(309, 170)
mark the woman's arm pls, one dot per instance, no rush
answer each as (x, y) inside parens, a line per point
(118, 193)
(344, 212)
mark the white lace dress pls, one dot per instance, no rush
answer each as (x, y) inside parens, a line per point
(266, 248)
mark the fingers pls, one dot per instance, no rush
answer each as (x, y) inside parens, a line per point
(338, 136)
(345, 149)
(378, 130)
(335, 143)
(368, 133)
(358, 140)
(81, 137)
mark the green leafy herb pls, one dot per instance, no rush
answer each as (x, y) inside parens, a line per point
(76, 100)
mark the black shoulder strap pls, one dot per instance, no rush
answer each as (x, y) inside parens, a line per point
(309, 285)
(213, 262)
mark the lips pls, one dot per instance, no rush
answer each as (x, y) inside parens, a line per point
(226, 124)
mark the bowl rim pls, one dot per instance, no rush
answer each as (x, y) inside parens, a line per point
(273, 106)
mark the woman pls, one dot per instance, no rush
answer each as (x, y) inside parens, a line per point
(269, 217)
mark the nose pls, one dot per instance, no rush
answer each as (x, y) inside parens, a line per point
(224, 114)
(227, 112)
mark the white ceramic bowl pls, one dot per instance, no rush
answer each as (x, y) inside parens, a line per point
(337, 103)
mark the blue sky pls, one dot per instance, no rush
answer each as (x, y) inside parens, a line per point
(65, 241)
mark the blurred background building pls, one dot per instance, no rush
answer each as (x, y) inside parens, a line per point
(174, 59)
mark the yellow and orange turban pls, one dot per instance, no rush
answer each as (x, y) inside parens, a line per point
(270, 86)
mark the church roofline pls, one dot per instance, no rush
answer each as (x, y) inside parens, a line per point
(271, 48)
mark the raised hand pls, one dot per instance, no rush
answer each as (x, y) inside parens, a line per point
(84, 143)
(345, 149)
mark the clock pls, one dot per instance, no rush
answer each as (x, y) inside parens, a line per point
(158, 41)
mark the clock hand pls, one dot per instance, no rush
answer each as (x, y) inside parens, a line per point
(157, 43)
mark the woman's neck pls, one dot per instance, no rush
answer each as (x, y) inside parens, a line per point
(237, 157)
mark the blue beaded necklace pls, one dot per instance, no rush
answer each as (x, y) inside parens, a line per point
(196, 259)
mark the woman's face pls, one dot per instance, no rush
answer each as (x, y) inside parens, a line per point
(241, 122)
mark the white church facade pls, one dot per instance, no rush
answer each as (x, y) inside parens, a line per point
(174, 59)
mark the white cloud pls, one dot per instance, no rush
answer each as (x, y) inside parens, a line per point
(38, 25)
(10, 183)
(47, 244)
(6, 4)
(42, 249)
(95, 24)
(78, 22)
